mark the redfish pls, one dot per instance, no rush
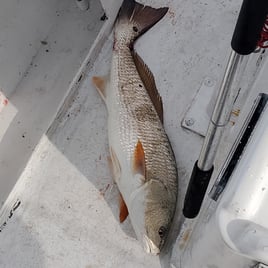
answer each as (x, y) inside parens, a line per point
(143, 162)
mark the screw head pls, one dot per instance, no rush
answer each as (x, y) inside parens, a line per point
(209, 82)
(189, 122)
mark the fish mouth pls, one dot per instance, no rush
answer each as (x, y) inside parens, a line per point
(150, 247)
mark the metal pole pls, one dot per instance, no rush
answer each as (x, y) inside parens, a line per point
(220, 115)
(244, 41)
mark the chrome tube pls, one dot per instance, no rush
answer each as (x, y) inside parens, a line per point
(250, 21)
(221, 112)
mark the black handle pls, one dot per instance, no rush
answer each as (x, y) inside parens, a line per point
(249, 25)
(196, 191)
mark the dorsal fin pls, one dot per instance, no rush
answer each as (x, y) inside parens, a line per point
(147, 78)
(139, 160)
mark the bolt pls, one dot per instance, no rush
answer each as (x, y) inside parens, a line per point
(208, 82)
(189, 122)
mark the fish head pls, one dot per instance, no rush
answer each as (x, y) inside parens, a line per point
(159, 211)
(153, 225)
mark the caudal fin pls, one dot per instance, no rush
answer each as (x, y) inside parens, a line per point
(140, 17)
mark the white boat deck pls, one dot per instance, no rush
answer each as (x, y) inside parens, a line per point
(55, 57)
(63, 211)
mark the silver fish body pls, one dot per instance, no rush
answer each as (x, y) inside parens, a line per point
(143, 162)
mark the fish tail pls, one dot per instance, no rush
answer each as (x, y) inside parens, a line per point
(140, 17)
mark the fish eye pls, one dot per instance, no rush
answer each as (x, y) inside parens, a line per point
(162, 231)
(135, 29)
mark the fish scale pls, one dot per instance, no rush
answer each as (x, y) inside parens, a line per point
(158, 153)
(131, 129)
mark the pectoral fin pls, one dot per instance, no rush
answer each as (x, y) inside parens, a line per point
(100, 83)
(123, 209)
(139, 160)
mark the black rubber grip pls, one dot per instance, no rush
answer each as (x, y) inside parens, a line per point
(249, 26)
(196, 191)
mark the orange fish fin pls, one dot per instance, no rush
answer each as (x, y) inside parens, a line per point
(100, 83)
(123, 209)
(139, 160)
(147, 79)
(114, 165)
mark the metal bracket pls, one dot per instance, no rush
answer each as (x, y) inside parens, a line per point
(198, 115)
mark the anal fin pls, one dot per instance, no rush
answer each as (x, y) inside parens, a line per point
(147, 78)
(116, 172)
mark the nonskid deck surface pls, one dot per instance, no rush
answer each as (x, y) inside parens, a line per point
(41, 89)
(68, 204)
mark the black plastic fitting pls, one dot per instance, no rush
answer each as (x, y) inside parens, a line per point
(196, 191)
(249, 25)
